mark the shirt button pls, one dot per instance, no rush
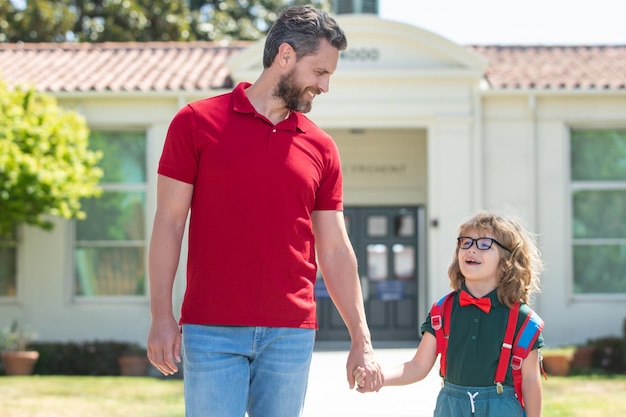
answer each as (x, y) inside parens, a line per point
(273, 130)
(473, 337)
(475, 320)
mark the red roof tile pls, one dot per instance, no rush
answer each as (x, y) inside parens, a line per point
(555, 67)
(117, 67)
(196, 66)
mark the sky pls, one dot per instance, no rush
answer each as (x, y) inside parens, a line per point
(521, 22)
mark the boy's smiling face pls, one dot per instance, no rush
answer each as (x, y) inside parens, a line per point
(479, 266)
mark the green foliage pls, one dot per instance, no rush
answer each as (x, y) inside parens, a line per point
(15, 338)
(45, 164)
(599, 269)
(598, 165)
(240, 20)
(81, 358)
(41, 19)
(609, 354)
(132, 20)
(598, 154)
(141, 20)
(95, 21)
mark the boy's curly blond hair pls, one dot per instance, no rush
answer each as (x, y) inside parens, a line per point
(519, 269)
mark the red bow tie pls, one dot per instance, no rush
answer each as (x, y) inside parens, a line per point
(467, 299)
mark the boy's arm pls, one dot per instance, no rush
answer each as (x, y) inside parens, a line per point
(418, 367)
(409, 372)
(532, 389)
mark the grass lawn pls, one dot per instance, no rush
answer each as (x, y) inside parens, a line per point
(74, 396)
(584, 396)
(55, 396)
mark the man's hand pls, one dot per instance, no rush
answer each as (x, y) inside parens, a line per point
(363, 370)
(164, 342)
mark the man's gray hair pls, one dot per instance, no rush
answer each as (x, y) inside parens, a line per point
(302, 27)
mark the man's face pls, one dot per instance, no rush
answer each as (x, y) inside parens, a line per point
(309, 77)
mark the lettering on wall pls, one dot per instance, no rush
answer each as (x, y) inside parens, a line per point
(360, 54)
(377, 169)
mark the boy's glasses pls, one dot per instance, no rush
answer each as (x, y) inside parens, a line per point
(482, 243)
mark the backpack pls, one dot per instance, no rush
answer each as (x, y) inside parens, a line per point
(440, 320)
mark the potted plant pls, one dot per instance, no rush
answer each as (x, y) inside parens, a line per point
(133, 360)
(17, 359)
(557, 361)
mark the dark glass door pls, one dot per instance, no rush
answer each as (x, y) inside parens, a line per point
(386, 243)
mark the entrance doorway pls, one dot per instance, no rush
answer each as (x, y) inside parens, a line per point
(389, 251)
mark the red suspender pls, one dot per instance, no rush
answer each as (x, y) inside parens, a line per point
(507, 346)
(440, 321)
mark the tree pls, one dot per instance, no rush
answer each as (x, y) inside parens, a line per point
(140, 20)
(131, 20)
(39, 21)
(240, 20)
(46, 167)
(94, 20)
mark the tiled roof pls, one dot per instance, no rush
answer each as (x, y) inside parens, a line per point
(118, 67)
(555, 67)
(195, 66)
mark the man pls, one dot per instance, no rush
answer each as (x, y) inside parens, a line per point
(264, 188)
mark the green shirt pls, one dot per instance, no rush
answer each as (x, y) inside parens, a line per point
(475, 341)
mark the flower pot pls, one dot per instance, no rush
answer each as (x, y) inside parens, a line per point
(583, 356)
(133, 365)
(19, 362)
(557, 365)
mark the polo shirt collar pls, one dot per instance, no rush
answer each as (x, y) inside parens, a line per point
(241, 104)
(493, 296)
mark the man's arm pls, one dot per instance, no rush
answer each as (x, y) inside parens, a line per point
(164, 340)
(339, 268)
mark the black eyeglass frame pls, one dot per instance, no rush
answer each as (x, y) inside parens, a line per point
(491, 242)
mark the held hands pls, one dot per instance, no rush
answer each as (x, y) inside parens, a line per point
(371, 377)
(367, 378)
(359, 377)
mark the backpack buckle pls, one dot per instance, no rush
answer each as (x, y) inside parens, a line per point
(516, 362)
(435, 322)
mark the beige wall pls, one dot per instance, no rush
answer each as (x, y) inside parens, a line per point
(526, 160)
(383, 166)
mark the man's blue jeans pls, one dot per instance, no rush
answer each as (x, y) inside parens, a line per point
(229, 371)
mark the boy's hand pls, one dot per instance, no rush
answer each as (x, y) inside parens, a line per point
(359, 377)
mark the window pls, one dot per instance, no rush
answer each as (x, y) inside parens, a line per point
(8, 267)
(598, 180)
(110, 251)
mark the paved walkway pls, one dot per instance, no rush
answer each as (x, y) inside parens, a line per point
(328, 394)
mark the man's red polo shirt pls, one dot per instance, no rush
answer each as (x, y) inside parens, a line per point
(251, 247)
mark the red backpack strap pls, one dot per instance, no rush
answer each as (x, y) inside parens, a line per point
(507, 347)
(528, 334)
(440, 321)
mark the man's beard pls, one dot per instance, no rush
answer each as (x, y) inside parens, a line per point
(292, 94)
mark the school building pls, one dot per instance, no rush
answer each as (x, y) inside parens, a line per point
(429, 132)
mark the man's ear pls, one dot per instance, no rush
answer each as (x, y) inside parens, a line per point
(286, 55)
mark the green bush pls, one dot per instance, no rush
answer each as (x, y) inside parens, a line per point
(80, 358)
(46, 166)
(609, 354)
